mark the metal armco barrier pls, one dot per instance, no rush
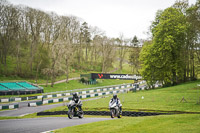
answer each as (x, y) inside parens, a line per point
(105, 113)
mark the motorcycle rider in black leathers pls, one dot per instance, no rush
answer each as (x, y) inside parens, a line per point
(115, 99)
(77, 100)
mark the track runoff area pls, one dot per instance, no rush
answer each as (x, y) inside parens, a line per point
(41, 128)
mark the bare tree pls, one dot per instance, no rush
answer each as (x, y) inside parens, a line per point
(8, 30)
(68, 34)
(108, 53)
(56, 54)
(122, 45)
(47, 72)
(35, 20)
(56, 46)
(96, 34)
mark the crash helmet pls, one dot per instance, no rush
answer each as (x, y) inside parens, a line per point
(74, 94)
(115, 96)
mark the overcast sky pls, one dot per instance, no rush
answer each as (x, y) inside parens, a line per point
(130, 17)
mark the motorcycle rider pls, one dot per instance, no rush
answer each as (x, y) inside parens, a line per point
(116, 99)
(77, 100)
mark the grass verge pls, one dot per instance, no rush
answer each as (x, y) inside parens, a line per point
(75, 84)
(183, 123)
(158, 100)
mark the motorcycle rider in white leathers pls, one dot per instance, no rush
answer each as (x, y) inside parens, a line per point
(115, 99)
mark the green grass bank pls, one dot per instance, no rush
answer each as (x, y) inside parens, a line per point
(157, 100)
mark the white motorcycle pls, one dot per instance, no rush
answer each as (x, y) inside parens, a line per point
(114, 110)
(74, 110)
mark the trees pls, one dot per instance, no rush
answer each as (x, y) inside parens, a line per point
(192, 41)
(35, 20)
(148, 70)
(68, 34)
(173, 55)
(96, 35)
(108, 53)
(85, 38)
(57, 50)
(8, 31)
(166, 51)
(37, 44)
(122, 47)
(134, 55)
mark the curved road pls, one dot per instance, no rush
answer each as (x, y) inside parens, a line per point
(28, 110)
(36, 125)
(24, 109)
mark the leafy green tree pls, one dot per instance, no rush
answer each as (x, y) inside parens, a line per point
(147, 68)
(164, 57)
(134, 55)
(85, 38)
(193, 41)
(135, 41)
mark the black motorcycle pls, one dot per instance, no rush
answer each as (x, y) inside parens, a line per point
(74, 111)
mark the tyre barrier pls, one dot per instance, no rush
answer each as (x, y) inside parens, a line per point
(105, 113)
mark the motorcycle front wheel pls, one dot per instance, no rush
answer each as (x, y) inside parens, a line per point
(80, 115)
(112, 113)
(70, 114)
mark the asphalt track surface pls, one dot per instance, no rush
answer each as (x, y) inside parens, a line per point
(24, 109)
(37, 125)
